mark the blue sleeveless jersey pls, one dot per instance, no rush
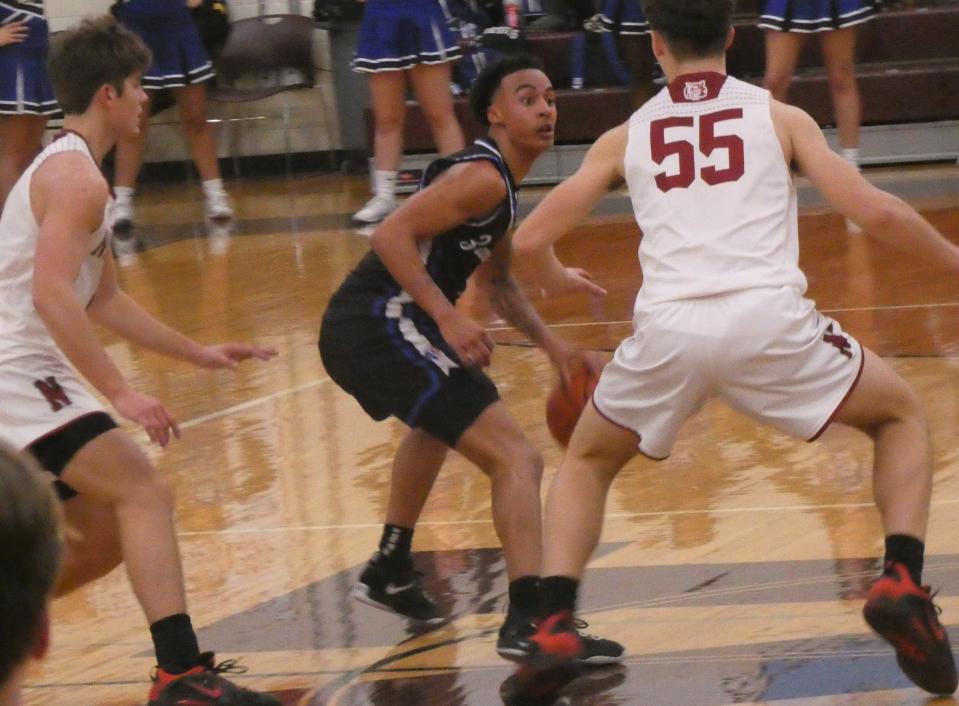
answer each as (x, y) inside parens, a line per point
(450, 257)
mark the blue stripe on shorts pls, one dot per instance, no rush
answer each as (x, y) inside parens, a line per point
(398, 35)
(816, 15)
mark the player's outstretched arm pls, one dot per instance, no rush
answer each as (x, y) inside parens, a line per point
(565, 207)
(118, 311)
(879, 213)
(465, 191)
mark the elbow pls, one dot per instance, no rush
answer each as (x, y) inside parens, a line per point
(883, 216)
(384, 240)
(43, 301)
(524, 246)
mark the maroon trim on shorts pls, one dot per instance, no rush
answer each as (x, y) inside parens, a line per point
(862, 364)
(639, 437)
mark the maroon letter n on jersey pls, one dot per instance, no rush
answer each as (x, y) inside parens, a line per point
(55, 395)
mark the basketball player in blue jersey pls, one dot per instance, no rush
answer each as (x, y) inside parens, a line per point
(57, 278)
(393, 338)
(721, 313)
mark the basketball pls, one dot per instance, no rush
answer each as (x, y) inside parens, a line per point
(564, 405)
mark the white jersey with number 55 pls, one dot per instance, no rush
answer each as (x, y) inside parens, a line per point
(712, 192)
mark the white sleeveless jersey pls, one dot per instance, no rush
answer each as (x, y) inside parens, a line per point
(23, 335)
(711, 192)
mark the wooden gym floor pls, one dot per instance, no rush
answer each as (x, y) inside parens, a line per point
(733, 572)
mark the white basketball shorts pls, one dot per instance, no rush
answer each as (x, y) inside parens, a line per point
(39, 396)
(767, 352)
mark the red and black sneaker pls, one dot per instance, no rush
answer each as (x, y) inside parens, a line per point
(904, 615)
(203, 686)
(555, 642)
(559, 640)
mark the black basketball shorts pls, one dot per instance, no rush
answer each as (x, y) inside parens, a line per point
(403, 368)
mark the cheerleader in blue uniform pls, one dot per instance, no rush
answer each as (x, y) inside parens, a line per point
(400, 40)
(788, 23)
(26, 97)
(180, 63)
(623, 17)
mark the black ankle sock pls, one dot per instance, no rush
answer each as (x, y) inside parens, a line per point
(558, 593)
(175, 643)
(908, 551)
(396, 543)
(524, 595)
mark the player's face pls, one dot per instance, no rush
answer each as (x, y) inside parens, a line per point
(129, 106)
(527, 106)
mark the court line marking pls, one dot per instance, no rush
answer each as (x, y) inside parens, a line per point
(242, 406)
(888, 307)
(488, 521)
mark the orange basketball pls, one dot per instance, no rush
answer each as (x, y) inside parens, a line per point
(564, 405)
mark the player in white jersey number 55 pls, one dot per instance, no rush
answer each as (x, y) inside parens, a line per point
(721, 313)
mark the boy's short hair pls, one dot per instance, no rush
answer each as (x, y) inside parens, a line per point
(492, 75)
(96, 52)
(693, 28)
(30, 546)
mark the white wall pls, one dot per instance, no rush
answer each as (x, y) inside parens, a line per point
(312, 112)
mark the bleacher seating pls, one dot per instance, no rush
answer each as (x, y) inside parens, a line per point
(908, 69)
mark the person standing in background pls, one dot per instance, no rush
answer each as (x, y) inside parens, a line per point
(26, 97)
(180, 63)
(788, 23)
(402, 40)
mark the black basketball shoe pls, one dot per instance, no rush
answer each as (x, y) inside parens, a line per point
(523, 641)
(396, 589)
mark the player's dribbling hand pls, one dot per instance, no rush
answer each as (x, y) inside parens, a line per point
(469, 339)
(149, 413)
(229, 355)
(574, 280)
(13, 33)
(568, 359)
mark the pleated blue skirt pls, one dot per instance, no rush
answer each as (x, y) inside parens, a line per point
(398, 34)
(179, 58)
(816, 15)
(24, 85)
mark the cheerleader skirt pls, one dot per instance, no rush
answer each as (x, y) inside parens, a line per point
(816, 15)
(179, 58)
(399, 34)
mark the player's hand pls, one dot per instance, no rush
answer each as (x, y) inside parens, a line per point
(13, 33)
(229, 355)
(572, 280)
(149, 413)
(566, 360)
(469, 339)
